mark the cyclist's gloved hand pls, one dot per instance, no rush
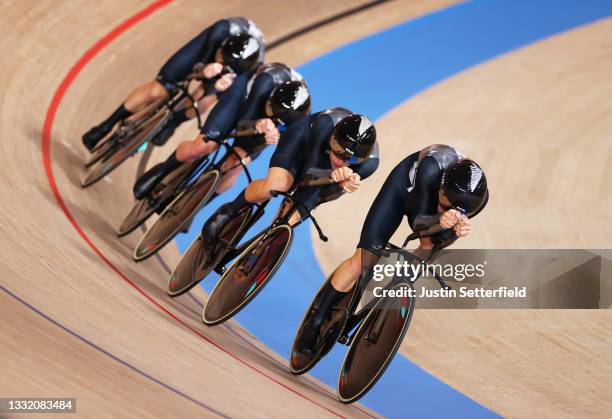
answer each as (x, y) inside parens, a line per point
(268, 128)
(211, 70)
(341, 174)
(351, 184)
(463, 226)
(198, 68)
(449, 218)
(225, 82)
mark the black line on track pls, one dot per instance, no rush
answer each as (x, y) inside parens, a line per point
(110, 355)
(299, 32)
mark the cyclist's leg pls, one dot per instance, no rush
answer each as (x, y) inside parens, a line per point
(204, 103)
(278, 179)
(187, 152)
(349, 271)
(144, 95)
(384, 217)
(281, 176)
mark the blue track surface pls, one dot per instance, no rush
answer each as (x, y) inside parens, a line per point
(372, 76)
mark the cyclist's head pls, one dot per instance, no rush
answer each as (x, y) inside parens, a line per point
(288, 102)
(353, 139)
(463, 187)
(239, 52)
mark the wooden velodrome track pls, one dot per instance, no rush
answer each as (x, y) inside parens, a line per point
(539, 120)
(78, 318)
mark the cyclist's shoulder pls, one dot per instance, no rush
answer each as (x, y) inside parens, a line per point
(336, 114)
(280, 72)
(443, 155)
(240, 24)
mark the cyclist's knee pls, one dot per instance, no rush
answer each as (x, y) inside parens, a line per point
(156, 90)
(278, 180)
(219, 29)
(187, 151)
(363, 260)
(233, 164)
(275, 184)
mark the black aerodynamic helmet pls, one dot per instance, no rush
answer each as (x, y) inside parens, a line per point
(353, 138)
(288, 102)
(465, 185)
(239, 52)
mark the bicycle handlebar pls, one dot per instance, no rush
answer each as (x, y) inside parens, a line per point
(194, 103)
(435, 229)
(233, 151)
(313, 182)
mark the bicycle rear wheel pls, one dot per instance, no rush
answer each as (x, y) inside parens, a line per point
(178, 213)
(121, 150)
(248, 275)
(200, 259)
(133, 121)
(375, 344)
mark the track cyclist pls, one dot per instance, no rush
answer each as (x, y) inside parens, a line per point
(335, 141)
(436, 185)
(229, 47)
(266, 99)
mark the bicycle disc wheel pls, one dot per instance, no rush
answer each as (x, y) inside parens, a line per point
(200, 259)
(107, 144)
(248, 275)
(139, 213)
(374, 345)
(144, 208)
(120, 151)
(178, 213)
(101, 150)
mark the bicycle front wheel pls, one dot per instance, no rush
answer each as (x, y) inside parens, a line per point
(139, 213)
(122, 150)
(248, 275)
(374, 345)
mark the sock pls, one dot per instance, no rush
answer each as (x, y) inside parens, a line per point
(239, 203)
(119, 114)
(171, 163)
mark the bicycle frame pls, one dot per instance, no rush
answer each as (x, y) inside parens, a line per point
(356, 317)
(285, 214)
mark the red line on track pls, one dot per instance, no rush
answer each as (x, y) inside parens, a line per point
(46, 150)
